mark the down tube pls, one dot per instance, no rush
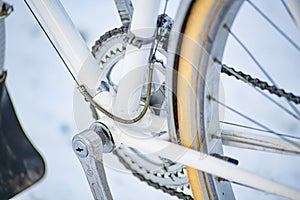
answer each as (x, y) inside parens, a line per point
(69, 41)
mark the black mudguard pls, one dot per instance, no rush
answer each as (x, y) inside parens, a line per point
(20, 163)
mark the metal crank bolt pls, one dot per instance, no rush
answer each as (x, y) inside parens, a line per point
(80, 149)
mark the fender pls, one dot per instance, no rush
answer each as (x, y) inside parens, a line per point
(20, 163)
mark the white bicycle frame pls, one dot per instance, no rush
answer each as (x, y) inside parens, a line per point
(85, 68)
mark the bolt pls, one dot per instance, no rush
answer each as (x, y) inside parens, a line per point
(80, 149)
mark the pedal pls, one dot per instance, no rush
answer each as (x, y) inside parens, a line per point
(21, 165)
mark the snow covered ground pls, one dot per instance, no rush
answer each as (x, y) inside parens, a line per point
(43, 91)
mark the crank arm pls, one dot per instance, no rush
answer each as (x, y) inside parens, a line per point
(89, 148)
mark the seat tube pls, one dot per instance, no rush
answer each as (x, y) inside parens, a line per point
(136, 61)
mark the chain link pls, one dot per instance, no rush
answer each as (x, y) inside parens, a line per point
(255, 82)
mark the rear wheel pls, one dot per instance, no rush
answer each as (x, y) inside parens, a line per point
(198, 43)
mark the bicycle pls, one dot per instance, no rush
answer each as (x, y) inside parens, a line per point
(211, 98)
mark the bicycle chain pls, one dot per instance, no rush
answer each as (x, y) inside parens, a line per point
(258, 83)
(170, 191)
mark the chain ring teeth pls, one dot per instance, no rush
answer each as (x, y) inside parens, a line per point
(175, 182)
(148, 174)
(183, 192)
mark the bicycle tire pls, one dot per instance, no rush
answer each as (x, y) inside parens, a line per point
(197, 36)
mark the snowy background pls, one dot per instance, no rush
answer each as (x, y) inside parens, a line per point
(42, 92)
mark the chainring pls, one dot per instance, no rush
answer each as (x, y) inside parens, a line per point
(162, 174)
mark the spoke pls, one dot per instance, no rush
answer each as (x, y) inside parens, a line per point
(274, 25)
(294, 108)
(278, 104)
(243, 126)
(258, 64)
(286, 7)
(242, 139)
(287, 138)
(249, 54)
